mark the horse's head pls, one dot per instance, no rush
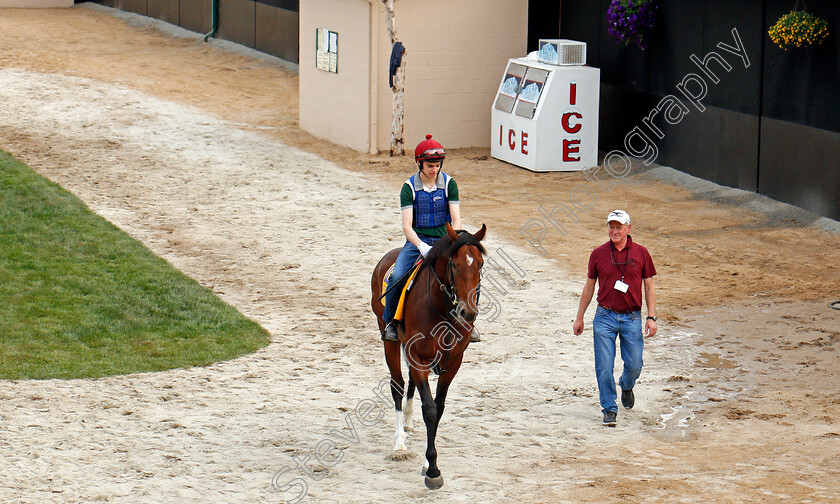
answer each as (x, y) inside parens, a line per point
(458, 265)
(465, 271)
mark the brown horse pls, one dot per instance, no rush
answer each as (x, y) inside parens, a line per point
(438, 317)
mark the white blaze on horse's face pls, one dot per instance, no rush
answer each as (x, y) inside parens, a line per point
(465, 282)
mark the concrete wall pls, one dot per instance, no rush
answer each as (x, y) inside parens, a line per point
(35, 4)
(456, 53)
(336, 106)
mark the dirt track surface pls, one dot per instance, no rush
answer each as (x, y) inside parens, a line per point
(195, 151)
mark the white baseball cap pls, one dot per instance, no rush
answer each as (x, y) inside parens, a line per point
(619, 216)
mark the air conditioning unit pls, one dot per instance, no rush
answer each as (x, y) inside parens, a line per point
(562, 52)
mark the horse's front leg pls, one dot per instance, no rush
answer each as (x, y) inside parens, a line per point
(392, 357)
(443, 383)
(434, 479)
(409, 404)
(443, 386)
(440, 397)
(400, 450)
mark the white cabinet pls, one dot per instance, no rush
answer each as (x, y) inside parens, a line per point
(545, 117)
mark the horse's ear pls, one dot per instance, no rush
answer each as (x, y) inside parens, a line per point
(479, 235)
(450, 231)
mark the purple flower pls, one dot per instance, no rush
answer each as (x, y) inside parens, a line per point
(629, 21)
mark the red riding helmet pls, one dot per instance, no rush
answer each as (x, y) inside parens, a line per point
(429, 150)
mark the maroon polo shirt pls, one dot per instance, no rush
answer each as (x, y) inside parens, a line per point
(608, 264)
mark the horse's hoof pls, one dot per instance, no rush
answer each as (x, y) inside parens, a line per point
(434, 483)
(400, 455)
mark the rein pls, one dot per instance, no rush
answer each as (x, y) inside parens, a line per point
(448, 290)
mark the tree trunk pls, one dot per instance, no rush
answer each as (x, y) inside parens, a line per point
(398, 112)
(397, 108)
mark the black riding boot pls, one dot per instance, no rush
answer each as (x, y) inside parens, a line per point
(390, 333)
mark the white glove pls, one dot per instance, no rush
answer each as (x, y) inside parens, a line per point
(424, 248)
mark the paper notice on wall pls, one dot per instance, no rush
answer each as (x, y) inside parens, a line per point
(326, 50)
(333, 43)
(321, 39)
(322, 61)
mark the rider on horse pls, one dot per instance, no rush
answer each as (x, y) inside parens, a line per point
(428, 200)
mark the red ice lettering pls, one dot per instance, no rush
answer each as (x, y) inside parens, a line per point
(569, 128)
(571, 147)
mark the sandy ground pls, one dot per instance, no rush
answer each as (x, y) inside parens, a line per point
(194, 150)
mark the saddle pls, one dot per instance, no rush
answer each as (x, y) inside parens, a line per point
(398, 313)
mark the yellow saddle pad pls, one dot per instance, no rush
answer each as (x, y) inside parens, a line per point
(398, 314)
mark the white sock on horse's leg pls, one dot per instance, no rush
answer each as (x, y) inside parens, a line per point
(408, 409)
(399, 434)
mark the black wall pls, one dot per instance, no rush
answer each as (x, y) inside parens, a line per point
(771, 127)
(543, 22)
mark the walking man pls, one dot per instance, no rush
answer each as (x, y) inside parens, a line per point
(620, 267)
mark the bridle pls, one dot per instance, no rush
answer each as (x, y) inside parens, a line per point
(450, 296)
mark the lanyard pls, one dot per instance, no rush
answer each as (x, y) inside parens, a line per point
(619, 265)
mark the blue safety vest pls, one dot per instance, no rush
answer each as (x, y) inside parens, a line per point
(431, 209)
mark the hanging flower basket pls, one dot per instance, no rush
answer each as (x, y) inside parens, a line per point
(798, 29)
(630, 21)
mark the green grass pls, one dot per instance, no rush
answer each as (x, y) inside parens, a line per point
(80, 298)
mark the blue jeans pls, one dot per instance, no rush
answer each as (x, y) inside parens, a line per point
(405, 261)
(628, 327)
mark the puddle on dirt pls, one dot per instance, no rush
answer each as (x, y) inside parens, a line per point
(676, 420)
(715, 361)
(679, 417)
(676, 336)
(714, 379)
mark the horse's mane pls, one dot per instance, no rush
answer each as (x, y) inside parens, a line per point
(444, 247)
